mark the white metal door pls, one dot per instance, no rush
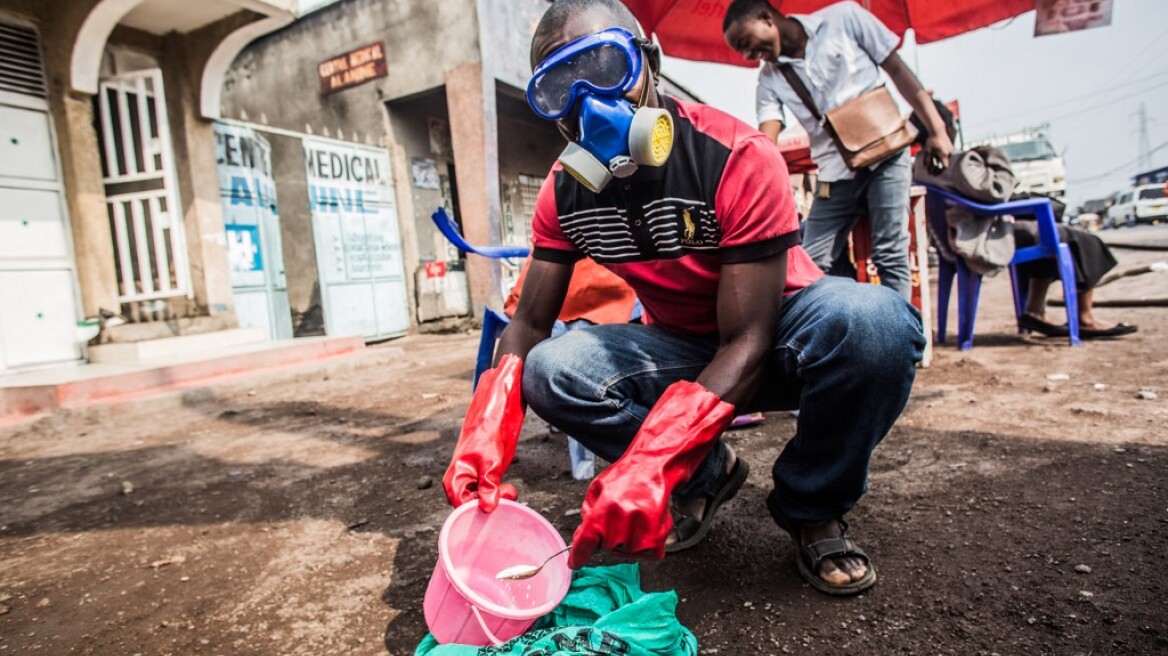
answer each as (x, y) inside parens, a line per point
(38, 291)
(358, 248)
(40, 318)
(252, 220)
(140, 190)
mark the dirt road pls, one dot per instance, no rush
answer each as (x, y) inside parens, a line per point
(1019, 507)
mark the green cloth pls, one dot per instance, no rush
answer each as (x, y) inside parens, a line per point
(605, 612)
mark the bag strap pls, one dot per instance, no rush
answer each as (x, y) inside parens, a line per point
(801, 90)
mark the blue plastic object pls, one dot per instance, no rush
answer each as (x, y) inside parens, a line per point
(969, 282)
(493, 325)
(449, 229)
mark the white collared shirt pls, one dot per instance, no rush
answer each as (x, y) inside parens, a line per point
(845, 46)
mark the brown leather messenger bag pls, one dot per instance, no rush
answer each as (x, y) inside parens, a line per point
(866, 129)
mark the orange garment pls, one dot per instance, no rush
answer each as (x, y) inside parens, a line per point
(595, 294)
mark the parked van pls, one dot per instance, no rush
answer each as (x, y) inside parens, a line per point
(1143, 204)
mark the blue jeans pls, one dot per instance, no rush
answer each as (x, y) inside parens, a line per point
(582, 460)
(844, 356)
(885, 200)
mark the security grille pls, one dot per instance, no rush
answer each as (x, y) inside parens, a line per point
(21, 67)
(151, 258)
(528, 189)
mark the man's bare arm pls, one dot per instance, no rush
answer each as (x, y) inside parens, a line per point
(749, 294)
(540, 301)
(771, 129)
(938, 144)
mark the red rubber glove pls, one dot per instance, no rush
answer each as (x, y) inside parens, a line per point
(626, 508)
(489, 434)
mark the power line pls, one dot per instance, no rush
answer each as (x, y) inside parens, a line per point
(1116, 169)
(1142, 52)
(1085, 110)
(1085, 113)
(1084, 96)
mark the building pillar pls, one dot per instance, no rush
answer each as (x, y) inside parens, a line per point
(470, 101)
(93, 244)
(197, 173)
(79, 154)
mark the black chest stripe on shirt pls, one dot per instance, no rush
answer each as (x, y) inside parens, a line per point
(665, 229)
(662, 213)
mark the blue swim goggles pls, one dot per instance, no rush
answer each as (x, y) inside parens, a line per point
(607, 63)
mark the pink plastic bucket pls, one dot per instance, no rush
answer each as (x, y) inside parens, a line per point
(465, 603)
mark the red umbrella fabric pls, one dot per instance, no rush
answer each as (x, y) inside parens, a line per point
(692, 29)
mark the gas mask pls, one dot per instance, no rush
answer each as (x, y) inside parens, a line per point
(591, 75)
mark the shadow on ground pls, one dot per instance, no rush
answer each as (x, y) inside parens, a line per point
(983, 543)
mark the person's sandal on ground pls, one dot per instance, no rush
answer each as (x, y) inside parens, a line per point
(689, 530)
(809, 558)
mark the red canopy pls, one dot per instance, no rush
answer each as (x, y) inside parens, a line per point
(692, 29)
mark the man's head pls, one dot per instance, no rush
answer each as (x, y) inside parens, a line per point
(594, 75)
(751, 28)
(568, 20)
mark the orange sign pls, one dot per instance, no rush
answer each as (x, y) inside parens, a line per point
(353, 68)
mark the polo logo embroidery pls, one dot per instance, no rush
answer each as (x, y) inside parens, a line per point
(691, 235)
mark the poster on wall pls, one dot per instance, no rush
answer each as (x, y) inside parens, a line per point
(358, 248)
(439, 131)
(424, 172)
(1061, 16)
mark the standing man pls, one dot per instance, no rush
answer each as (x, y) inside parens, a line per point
(838, 52)
(693, 209)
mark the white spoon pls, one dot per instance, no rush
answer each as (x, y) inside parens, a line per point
(520, 572)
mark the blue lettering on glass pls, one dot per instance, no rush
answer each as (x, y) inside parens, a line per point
(242, 193)
(331, 199)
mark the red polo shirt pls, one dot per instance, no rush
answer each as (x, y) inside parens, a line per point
(723, 196)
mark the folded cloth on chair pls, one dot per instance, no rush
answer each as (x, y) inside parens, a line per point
(986, 243)
(982, 175)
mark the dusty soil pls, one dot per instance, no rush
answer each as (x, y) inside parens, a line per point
(1008, 513)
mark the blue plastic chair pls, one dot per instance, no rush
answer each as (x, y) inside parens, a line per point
(969, 282)
(449, 229)
(493, 325)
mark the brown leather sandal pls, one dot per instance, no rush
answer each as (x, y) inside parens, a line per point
(691, 530)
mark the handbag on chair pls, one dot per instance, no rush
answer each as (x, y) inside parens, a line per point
(865, 129)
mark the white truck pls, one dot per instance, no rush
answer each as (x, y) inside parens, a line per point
(1037, 167)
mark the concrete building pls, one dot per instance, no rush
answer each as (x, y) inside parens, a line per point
(440, 87)
(177, 189)
(109, 191)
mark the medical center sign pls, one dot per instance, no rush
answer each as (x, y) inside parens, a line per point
(353, 68)
(353, 211)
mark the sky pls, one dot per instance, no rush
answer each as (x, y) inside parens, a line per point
(1087, 85)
